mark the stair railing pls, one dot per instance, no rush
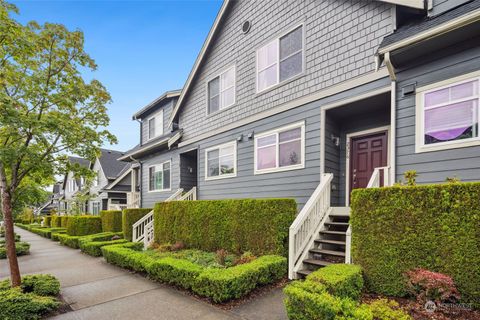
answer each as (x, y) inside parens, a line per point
(380, 177)
(176, 195)
(140, 227)
(190, 195)
(303, 230)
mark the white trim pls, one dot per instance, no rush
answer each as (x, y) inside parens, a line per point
(420, 145)
(143, 149)
(147, 121)
(117, 180)
(222, 176)
(276, 131)
(160, 165)
(166, 95)
(277, 40)
(219, 76)
(347, 154)
(433, 32)
(393, 131)
(343, 86)
(418, 4)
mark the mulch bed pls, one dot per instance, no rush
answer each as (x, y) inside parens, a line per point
(418, 311)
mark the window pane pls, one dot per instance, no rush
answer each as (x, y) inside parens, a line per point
(214, 87)
(166, 177)
(267, 140)
(214, 104)
(437, 97)
(291, 66)
(228, 97)
(228, 79)
(266, 158)
(267, 55)
(227, 165)
(267, 77)
(290, 153)
(290, 134)
(166, 166)
(211, 155)
(151, 177)
(159, 124)
(291, 43)
(213, 167)
(151, 128)
(450, 122)
(158, 180)
(226, 150)
(464, 90)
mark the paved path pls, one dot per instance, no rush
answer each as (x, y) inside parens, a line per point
(97, 290)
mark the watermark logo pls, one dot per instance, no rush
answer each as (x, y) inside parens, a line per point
(430, 306)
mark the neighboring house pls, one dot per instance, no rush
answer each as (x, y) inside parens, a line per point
(112, 187)
(311, 99)
(71, 186)
(53, 202)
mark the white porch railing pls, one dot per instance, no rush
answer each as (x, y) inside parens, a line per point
(348, 245)
(140, 227)
(176, 195)
(190, 195)
(380, 178)
(117, 206)
(133, 199)
(306, 226)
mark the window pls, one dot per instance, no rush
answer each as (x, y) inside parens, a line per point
(221, 91)
(96, 208)
(221, 161)
(448, 116)
(159, 177)
(280, 150)
(96, 179)
(280, 59)
(155, 125)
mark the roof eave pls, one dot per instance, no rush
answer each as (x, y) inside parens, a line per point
(166, 95)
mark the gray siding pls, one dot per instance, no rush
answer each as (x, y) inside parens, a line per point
(167, 111)
(341, 37)
(434, 166)
(440, 6)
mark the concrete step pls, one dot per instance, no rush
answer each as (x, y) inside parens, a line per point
(318, 263)
(328, 252)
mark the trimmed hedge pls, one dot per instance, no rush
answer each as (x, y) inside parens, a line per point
(215, 283)
(69, 241)
(21, 248)
(111, 220)
(256, 225)
(41, 284)
(84, 225)
(56, 221)
(93, 244)
(129, 217)
(342, 280)
(75, 242)
(435, 227)
(64, 221)
(47, 221)
(54, 235)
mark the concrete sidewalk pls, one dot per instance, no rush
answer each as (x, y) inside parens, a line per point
(97, 290)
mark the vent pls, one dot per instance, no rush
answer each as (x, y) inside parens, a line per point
(246, 26)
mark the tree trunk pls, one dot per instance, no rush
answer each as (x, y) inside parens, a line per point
(10, 239)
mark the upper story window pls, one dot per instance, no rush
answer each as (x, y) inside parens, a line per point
(96, 179)
(221, 161)
(221, 91)
(72, 185)
(159, 177)
(448, 115)
(280, 59)
(155, 125)
(281, 149)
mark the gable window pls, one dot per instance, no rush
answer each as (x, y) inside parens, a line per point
(159, 177)
(448, 115)
(221, 161)
(280, 59)
(221, 91)
(155, 125)
(280, 150)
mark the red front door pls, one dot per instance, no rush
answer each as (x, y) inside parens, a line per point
(366, 153)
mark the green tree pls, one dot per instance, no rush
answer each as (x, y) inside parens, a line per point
(47, 108)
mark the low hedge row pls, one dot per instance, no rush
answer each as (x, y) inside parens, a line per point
(21, 248)
(318, 297)
(55, 235)
(76, 242)
(34, 299)
(239, 225)
(92, 244)
(69, 241)
(129, 217)
(435, 227)
(84, 225)
(111, 220)
(220, 285)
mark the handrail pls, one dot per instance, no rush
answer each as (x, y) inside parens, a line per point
(375, 180)
(190, 195)
(348, 245)
(133, 199)
(139, 227)
(177, 194)
(303, 227)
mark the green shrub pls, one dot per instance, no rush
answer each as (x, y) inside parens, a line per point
(47, 221)
(384, 309)
(111, 220)
(341, 280)
(56, 221)
(225, 284)
(256, 225)
(92, 245)
(129, 217)
(174, 271)
(54, 235)
(69, 241)
(16, 305)
(434, 227)
(21, 248)
(84, 225)
(64, 221)
(128, 256)
(41, 284)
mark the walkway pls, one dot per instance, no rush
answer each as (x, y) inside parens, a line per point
(97, 290)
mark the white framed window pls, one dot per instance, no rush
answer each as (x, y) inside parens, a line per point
(96, 207)
(160, 176)
(221, 91)
(447, 114)
(280, 149)
(221, 161)
(155, 125)
(280, 59)
(96, 179)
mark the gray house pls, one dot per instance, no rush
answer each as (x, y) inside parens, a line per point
(71, 186)
(310, 99)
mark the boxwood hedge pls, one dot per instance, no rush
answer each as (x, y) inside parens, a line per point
(64, 221)
(436, 227)
(111, 220)
(84, 225)
(47, 221)
(92, 244)
(21, 248)
(256, 225)
(56, 221)
(129, 217)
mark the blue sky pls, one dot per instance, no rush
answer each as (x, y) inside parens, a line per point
(142, 48)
